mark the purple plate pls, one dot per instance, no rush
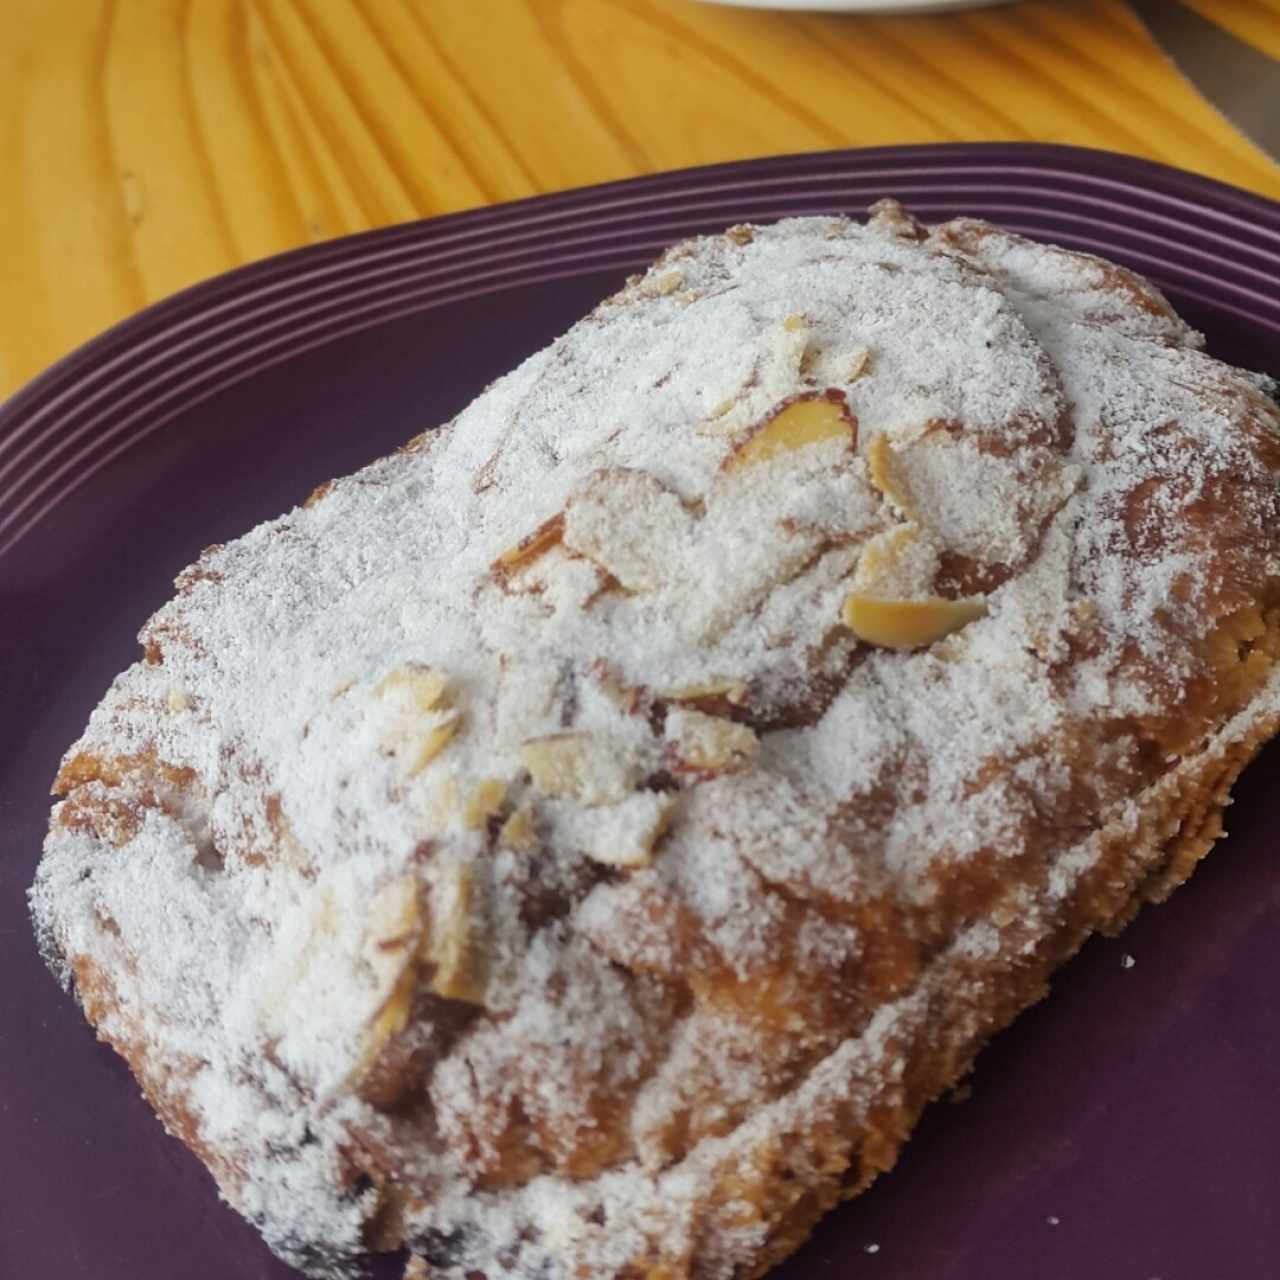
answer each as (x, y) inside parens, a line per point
(1129, 1129)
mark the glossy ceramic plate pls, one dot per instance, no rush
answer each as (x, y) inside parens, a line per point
(1128, 1129)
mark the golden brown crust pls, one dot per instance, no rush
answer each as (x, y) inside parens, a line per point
(791, 1180)
(586, 843)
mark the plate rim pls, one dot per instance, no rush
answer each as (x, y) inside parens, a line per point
(238, 292)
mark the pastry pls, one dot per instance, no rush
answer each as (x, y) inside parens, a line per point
(580, 844)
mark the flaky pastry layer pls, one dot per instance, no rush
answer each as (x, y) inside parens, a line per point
(580, 844)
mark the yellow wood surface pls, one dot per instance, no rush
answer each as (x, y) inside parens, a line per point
(149, 144)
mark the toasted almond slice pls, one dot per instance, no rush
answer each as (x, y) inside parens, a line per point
(629, 524)
(418, 693)
(710, 743)
(449, 947)
(394, 918)
(625, 835)
(517, 832)
(881, 554)
(734, 691)
(908, 624)
(311, 933)
(389, 1021)
(484, 801)
(424, 685)
(317, 495)
(801, 422)
(433, 743)
(389, 948)
(579, 766)
(897, 564)
(886, 475)
(530, 547)
(394, 1016)
(625, 697)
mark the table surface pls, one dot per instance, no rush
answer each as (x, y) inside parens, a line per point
(149, 144)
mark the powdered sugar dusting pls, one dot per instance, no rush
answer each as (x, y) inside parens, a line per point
(513, 840)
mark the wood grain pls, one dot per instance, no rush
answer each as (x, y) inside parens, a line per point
(149, 144)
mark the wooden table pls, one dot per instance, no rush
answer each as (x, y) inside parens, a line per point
(149, 144)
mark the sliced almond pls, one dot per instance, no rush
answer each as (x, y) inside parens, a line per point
(886, 475)
(421, 442)
(530, 547)
(629, 524)
(426, 720)
(389, 949)
(625, 697)
(395, 917)
(393, 1017)
(908, 624)
(297, 947)
(389, 1021)
(423, 685)
(484, 801)
(432, 743)
(579, 766)
(734, 691)
(517, 832)
(625, 835)
(710, 743)
(449, 947)
(859, 365)
(881, 554)
(897, 564)
(318, 495)
(788, 356)
(289, 848)
(806, 421)
(932, 477)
